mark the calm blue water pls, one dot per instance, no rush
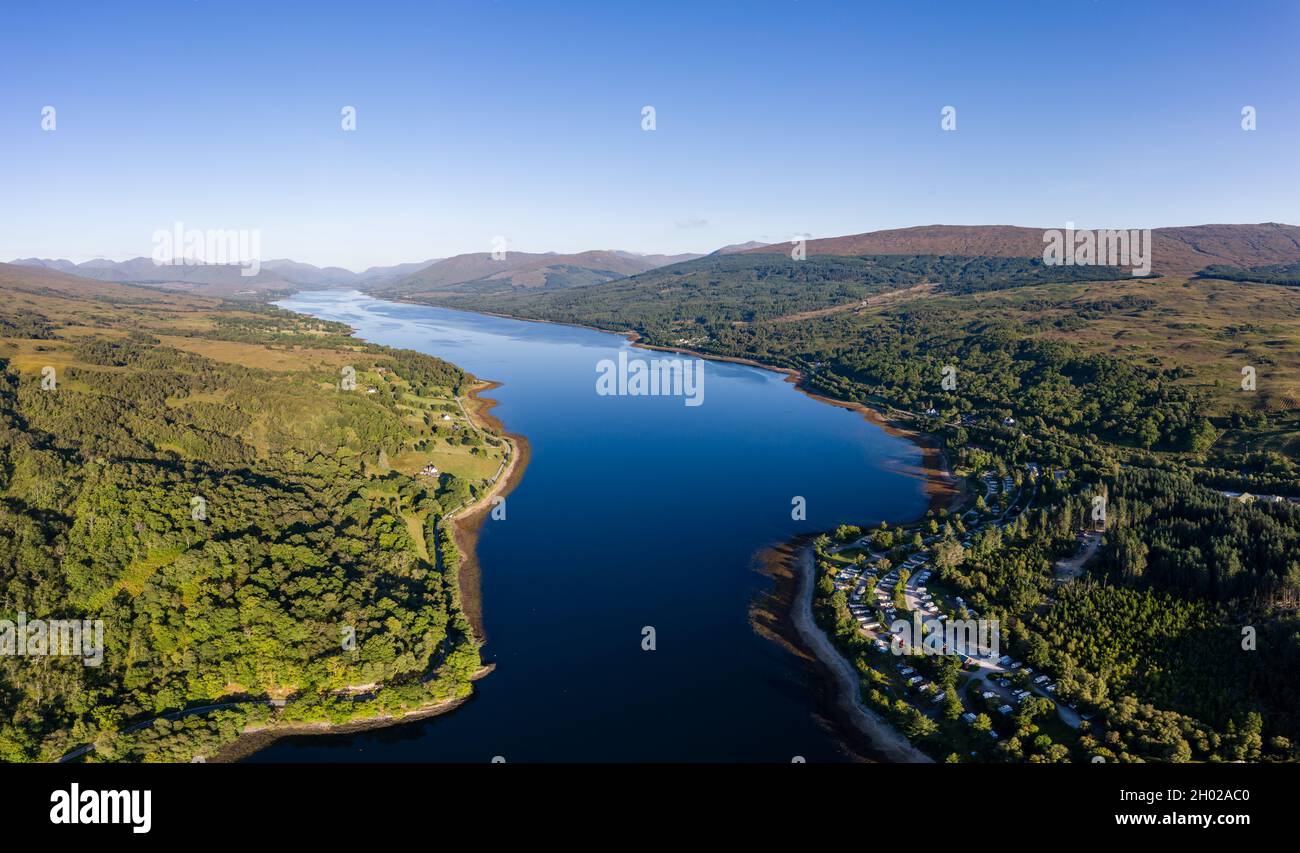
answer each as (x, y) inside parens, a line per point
(634, 511)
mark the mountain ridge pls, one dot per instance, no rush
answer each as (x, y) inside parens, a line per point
(482, 272)
(1176, 249)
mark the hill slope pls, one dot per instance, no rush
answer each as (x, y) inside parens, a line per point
(1182, 250)
(480, 273)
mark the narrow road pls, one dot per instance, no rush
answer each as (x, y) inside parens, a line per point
(1072, 567)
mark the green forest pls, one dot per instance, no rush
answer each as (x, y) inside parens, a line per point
(237, 528)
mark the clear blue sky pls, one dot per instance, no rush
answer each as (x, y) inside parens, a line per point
(524, 119)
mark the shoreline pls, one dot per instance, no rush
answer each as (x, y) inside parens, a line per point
(467, 521)
(252, 741)
(942, 489)
(855, 723)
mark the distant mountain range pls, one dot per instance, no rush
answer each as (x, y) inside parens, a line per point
(481, 273)
(1181, 250)
(471, 273)
(227, 279)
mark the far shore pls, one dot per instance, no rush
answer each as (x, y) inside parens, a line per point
(942, 489)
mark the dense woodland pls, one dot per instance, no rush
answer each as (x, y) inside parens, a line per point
(303, 581)
(1288, 274)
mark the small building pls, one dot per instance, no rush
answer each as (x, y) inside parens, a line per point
(429, 471)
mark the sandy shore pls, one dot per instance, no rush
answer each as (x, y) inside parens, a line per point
(784, 616)
(887, 741)
(468, 521)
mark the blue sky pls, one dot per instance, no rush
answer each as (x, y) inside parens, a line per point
(478, 119)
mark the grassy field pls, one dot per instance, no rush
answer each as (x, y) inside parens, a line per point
(195, 325)
(1209, 328)
(1204, 330)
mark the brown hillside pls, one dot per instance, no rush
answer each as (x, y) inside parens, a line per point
(1181, 250)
